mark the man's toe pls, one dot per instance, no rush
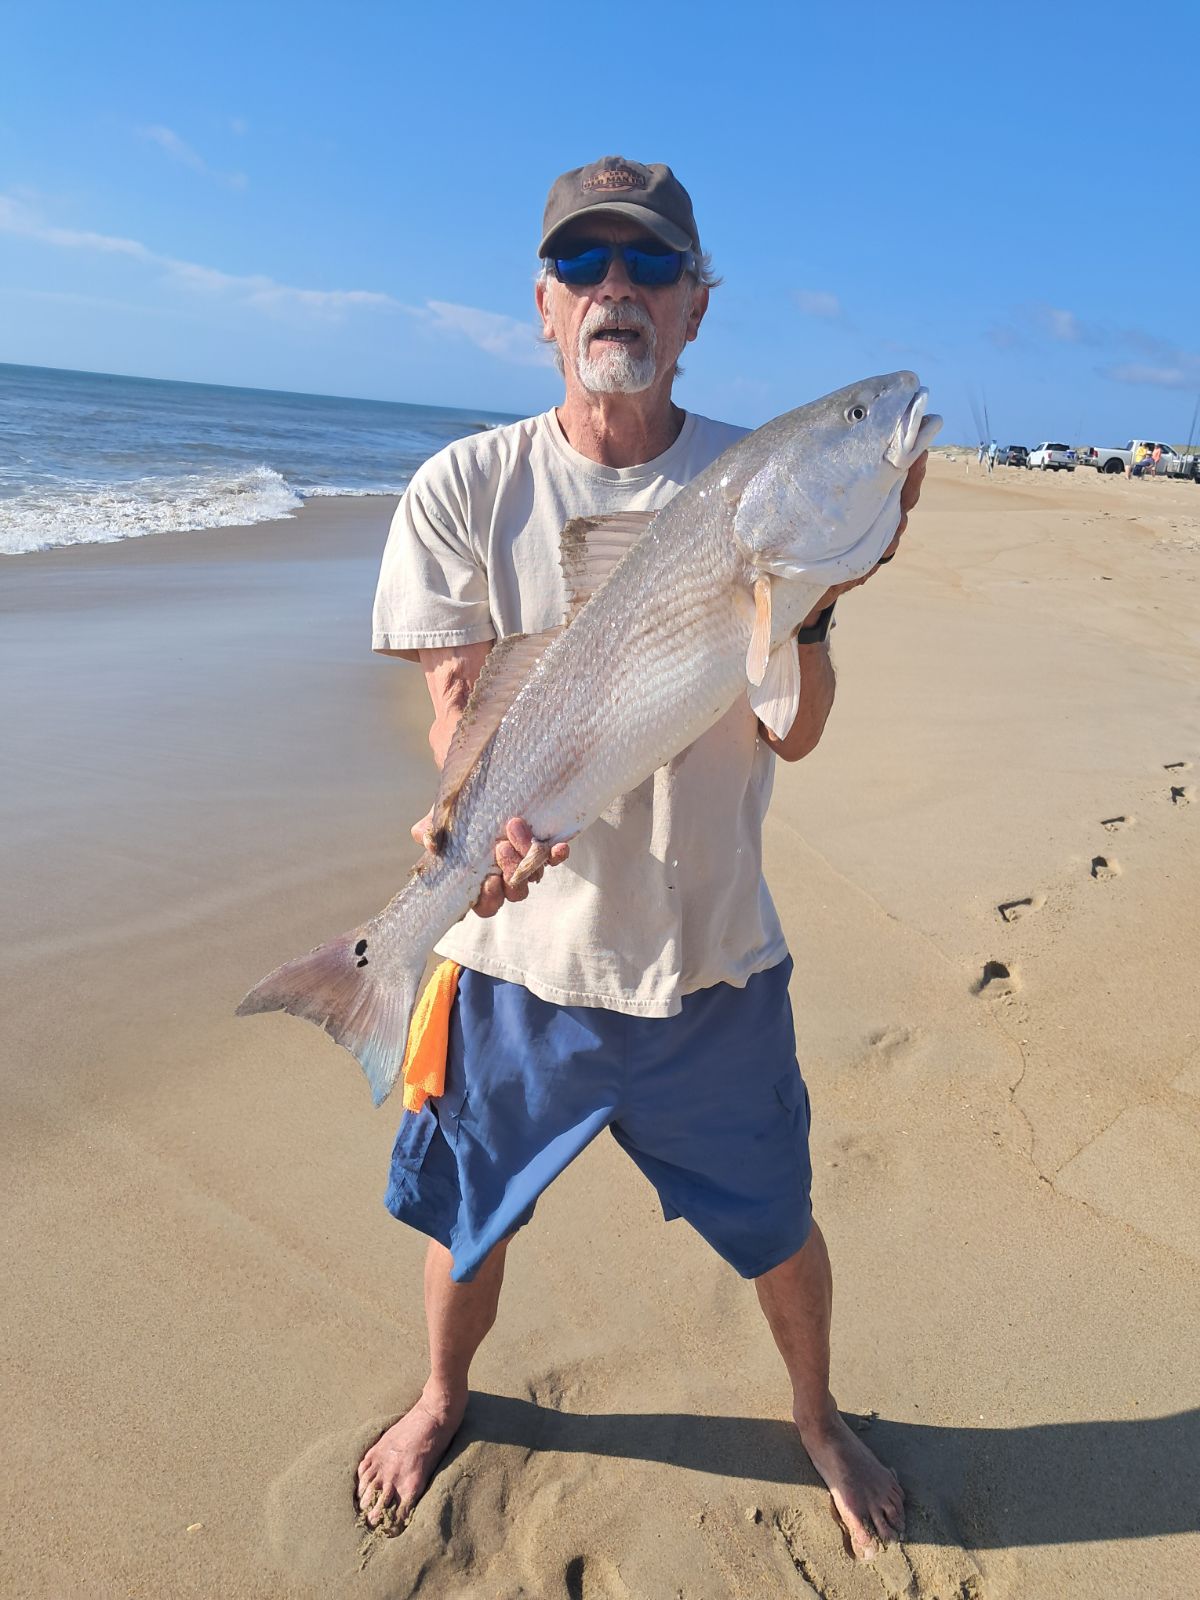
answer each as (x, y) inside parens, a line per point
(866, 1546)
(863, 1538)
(886, 1527)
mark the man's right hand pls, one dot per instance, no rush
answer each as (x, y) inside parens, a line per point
(510, 852)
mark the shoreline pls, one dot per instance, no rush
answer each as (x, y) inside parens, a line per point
(229, 539)
(211, 1314)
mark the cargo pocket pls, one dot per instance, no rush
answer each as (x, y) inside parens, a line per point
(793, 1094)
(417, 1128)
(449, 1108)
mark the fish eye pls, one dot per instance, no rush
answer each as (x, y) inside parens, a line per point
(855, 413)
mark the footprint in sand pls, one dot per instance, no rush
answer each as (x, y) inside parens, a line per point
(931, 1563)
(593, 1580)
(1014, 910)
(893, 1041)
(997, 980)
(1182, 794)
(1104, 867)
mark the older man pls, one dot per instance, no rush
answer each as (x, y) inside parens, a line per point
(620, 992)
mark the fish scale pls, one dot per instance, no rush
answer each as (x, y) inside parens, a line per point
(656, 656)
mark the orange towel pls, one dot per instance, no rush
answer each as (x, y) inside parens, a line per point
(424, 1070)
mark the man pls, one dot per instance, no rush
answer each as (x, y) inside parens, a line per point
(1139, 461)
(618, 993)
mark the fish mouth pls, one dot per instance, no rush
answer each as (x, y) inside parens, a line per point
(913, 432)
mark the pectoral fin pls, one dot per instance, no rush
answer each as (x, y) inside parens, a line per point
(776, 699)
(760, 638)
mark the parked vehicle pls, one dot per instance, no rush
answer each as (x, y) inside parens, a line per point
(1171, 464)
(1014, 455)
(1052, 457)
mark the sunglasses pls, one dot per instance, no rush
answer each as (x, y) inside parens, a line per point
(649, 269)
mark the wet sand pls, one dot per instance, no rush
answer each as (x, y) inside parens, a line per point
(990, 878)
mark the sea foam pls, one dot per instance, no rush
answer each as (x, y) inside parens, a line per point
(40, 516)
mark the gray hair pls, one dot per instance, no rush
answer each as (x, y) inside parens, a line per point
(704, 278)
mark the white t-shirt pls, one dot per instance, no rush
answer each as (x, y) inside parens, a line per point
(664, 894)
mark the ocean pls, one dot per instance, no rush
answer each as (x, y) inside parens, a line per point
(89, 457)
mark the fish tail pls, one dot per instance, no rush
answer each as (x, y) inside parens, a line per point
(363, 1005)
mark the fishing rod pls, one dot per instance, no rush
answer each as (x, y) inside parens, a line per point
(1192, 429)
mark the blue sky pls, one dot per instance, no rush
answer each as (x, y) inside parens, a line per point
(345, 199)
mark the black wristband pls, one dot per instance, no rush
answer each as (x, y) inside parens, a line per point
(817, 632)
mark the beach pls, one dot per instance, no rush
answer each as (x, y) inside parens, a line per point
(989, 877)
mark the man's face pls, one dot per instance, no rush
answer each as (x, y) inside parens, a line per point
(617, 337)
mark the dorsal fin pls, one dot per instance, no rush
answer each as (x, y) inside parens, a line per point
(590, 547)
(505, 671)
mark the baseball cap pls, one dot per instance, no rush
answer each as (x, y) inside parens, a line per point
(651, 195)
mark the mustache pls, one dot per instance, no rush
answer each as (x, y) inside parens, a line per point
(601, 318)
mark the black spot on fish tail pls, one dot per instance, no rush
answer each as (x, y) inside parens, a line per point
(361, 962)
(360, 949)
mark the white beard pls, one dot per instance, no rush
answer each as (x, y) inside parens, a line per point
(605, 368)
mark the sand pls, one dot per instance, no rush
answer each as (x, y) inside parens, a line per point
(989, 874)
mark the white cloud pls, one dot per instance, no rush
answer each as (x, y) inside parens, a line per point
(507, 338)
(254, 289)
(1157, 377)
(15, 217)
(819, 303)
(239, 125)
(179, 150)
(1063, 326)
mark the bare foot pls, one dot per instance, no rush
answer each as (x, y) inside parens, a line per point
(395, 1472)
(866, 1495)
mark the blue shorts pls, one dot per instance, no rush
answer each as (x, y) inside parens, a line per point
(710, 1104)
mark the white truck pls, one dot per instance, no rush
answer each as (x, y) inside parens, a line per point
(1117, 457)
(1052, 457)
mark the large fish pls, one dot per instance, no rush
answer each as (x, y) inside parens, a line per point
(671, 616)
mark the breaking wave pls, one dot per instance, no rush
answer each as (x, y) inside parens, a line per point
(41, 516)
(95, 457)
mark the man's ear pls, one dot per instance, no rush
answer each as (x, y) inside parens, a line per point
(542, 297)
(696, 315)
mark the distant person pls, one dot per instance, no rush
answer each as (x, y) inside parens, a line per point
(1155, 458)
(991, 460)
(983, 450)
(1137, 466)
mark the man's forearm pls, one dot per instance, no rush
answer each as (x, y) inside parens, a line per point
(450, 676)
(817, 685)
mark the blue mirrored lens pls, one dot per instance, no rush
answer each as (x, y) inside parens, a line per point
(653, 269)
(587, 268)
(649, 269)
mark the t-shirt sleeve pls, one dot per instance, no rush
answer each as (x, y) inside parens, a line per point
(433, 590)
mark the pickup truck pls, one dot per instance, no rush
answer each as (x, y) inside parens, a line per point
(1117, 457)
(1052, 457)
